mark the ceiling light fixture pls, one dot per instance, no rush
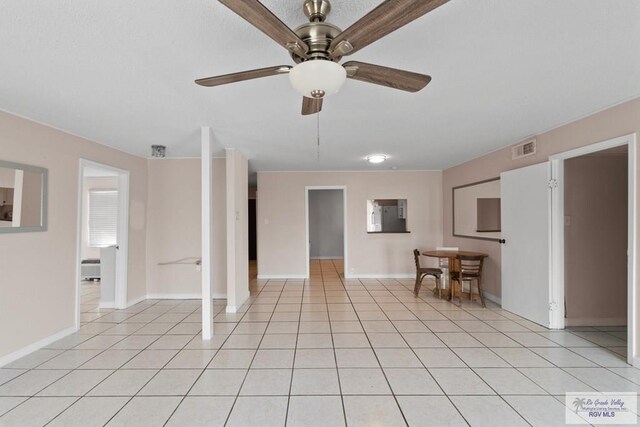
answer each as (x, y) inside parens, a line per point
(317, 78)
(376, 158)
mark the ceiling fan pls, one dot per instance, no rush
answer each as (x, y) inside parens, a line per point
(317, 46)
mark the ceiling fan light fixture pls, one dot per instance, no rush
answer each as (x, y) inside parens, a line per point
(376, 158)
(317, 78)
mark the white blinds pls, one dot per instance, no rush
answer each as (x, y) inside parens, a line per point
(103, 218)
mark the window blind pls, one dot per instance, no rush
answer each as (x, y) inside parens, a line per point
(103, 218)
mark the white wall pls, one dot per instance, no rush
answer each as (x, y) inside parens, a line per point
(326, 224)
(281, 220)
(93, 183)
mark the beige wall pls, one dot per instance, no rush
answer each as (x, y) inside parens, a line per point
(613, 122)
(596, 240)
(173, 228)
(219, 229)
(93, 183)
(237, 230)
(38, 282)
(281, 220)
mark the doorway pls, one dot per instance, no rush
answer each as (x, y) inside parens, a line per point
(102, 246)
(253, 239)
(534, 268)
(594, 227)
(595, 240)
(326, 225)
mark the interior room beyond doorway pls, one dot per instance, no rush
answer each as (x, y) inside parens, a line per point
(595, 223)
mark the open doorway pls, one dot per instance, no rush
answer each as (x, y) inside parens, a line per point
(595, 240)
(593, 243)
(102, 254)
(326, 228)
(253, 235)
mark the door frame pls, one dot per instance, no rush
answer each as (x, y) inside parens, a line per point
(344, 219)
(122, 255)
(557, 234)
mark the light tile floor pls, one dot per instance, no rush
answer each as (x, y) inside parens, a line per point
(322, 352)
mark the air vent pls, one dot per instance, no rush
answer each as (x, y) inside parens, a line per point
(523, 149)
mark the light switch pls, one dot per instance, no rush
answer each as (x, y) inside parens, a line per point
(237, 215)
(567, 221)
(266, 221)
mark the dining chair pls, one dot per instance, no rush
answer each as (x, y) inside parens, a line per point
(421, 272)
(470, 270)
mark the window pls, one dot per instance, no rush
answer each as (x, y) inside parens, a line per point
(103, 218)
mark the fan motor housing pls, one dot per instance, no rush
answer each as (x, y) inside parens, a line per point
(318, 36)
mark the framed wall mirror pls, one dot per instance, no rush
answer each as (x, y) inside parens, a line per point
(387, 216)
(476, 210)
(23, 198)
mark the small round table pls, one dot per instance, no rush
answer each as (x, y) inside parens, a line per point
(452, 256)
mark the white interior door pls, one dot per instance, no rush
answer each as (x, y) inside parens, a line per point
(526, 228)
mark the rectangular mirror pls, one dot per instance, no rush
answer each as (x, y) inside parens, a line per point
(23, 198)
(476, 210)
(387, 216)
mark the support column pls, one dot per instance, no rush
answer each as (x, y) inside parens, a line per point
(207, 220)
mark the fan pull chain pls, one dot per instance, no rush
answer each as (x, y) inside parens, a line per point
(318, 133)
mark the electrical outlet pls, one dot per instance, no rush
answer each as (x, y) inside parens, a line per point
(567, 221)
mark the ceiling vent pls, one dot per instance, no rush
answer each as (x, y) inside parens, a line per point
(158, 151)
(524, 149)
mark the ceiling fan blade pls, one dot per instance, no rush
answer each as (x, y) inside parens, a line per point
(384, 19)
(311, 105)
(385, 76)
(244, 75)
(263, 19)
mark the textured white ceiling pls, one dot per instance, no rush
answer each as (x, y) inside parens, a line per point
(121, 73)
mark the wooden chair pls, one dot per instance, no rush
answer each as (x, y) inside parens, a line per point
(421, 272)
(469, 270)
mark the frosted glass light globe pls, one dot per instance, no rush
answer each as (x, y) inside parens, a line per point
(317, 78)
(376, 158)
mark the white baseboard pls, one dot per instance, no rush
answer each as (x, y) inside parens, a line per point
(493, 298)
(184, 296)
(326, 257)
(595, 321)
(5, 360)
(174, 296)
(380, 276)
(107, 305)
(281, 276)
